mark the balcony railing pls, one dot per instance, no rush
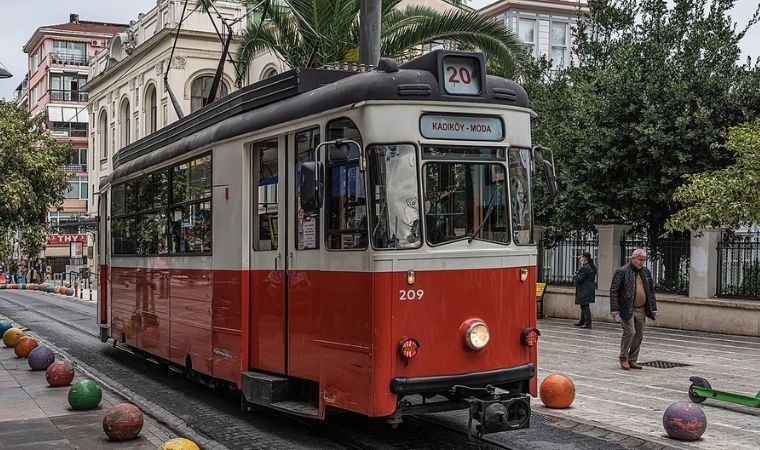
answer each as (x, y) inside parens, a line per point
(68, 96)
(68, 59)
(74, 168)
(65, 133)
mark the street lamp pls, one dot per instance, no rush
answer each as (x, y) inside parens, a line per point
(4, 72)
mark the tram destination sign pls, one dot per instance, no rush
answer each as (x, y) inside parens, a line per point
(461, 128)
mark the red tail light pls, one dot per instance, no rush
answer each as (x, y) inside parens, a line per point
(530, 337)
(408, 348)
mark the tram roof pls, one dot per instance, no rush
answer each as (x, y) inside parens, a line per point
(299, 93)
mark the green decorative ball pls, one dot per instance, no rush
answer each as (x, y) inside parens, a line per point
(85, 395)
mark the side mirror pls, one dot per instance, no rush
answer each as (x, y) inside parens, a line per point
(311, 185)
(548, 168)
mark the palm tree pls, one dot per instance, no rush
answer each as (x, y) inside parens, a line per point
(311, 33)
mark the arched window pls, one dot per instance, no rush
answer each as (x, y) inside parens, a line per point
(269, 73)
(126, 123)
(103, 134)
(151, 110)
(200, 90)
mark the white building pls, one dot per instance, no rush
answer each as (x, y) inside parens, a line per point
(543, 26)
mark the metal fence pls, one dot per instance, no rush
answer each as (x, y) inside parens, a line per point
(668, 259)
(559, 260)
(739, 265)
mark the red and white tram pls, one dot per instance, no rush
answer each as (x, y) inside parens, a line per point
(330, 239)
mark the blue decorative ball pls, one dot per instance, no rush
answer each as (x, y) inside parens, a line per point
(5, 326)
(41, 357)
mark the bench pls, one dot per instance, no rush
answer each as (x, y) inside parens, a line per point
(540, 289)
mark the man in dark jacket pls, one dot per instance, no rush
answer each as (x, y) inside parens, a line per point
(632, 299)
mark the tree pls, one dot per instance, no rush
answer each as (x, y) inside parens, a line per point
(32, 179)
(727, 197)
(648, 101)
(317, 32)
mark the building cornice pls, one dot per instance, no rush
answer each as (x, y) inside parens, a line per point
(567, 7)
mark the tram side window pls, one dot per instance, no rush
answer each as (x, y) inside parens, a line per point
(519, 184)
(394, 197)
(307, 224)
(148, 218)
(265, 192)
(346, 198)
(190, 214)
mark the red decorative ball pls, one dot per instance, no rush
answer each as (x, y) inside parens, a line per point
(123, 422)
(684, 421)
(24, 346)
(557, 391)
(59, 374)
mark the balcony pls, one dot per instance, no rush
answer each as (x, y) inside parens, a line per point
(68, 96)
(68, 59)
(74, 168)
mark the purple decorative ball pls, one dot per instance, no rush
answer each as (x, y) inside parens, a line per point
(684, 421)
(40, 358)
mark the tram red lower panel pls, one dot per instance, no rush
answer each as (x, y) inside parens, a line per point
(342, 328)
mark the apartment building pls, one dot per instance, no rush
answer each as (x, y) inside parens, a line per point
(58, 56)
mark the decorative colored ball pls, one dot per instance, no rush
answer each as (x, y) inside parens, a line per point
(60, 373)
(557, 391)
(5, 326)
(684, 421)
(11, 337)
(85, 395)
(69, 291)
(179, 444)
(40, 358)
(24, 346)
(123, 422)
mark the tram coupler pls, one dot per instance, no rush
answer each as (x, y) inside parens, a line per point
(497, 412)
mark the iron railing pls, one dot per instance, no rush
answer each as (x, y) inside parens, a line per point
(68, 95)
(739, 265)
(559, 260)
(668, 259)
(69, 59)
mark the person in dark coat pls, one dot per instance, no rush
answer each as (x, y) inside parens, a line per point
(631, 302)
(585, 289)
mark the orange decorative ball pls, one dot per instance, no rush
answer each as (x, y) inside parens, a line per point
(123, 422)
(557, 391)
(24, 346)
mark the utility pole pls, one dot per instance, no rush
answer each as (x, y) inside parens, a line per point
(369, 33)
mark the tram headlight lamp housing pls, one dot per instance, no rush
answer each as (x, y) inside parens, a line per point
(477, 335)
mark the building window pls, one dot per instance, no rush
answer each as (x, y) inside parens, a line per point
(526, 33)
(558, 44)
(103, 134)
(77, 188)
(200, 90)
(65, 87)
(126, 123)
(151, 110)
(37, 58)
(269, 73)
(66, 52)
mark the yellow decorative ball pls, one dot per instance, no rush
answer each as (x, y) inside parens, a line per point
(12, 336)
(179, 444)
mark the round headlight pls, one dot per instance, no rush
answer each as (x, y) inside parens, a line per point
(477, 335)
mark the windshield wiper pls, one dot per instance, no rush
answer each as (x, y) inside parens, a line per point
(477, 229)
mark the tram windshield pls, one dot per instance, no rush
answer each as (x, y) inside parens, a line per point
(467, 192)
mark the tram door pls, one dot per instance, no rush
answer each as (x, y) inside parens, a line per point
(267, 345)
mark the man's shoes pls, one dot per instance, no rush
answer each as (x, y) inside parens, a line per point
(624, 364)
(579, 323)
(634, 365)
(586, 325)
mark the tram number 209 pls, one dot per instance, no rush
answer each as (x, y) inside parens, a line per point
(411, 294)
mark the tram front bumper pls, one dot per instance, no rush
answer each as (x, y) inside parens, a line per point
(444, 383)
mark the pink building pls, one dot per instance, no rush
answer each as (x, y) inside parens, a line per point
(58, 67)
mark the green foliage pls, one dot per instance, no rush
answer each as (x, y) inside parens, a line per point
(32, 180)
(648, 101)
(727, 197)
(317, 32)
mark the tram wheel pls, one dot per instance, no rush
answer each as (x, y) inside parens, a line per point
(698, 382)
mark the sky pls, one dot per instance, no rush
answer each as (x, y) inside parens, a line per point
(23, 17)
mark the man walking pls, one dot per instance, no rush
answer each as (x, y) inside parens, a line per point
(632, 300)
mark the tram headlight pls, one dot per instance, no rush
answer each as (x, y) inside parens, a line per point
(477, 335)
